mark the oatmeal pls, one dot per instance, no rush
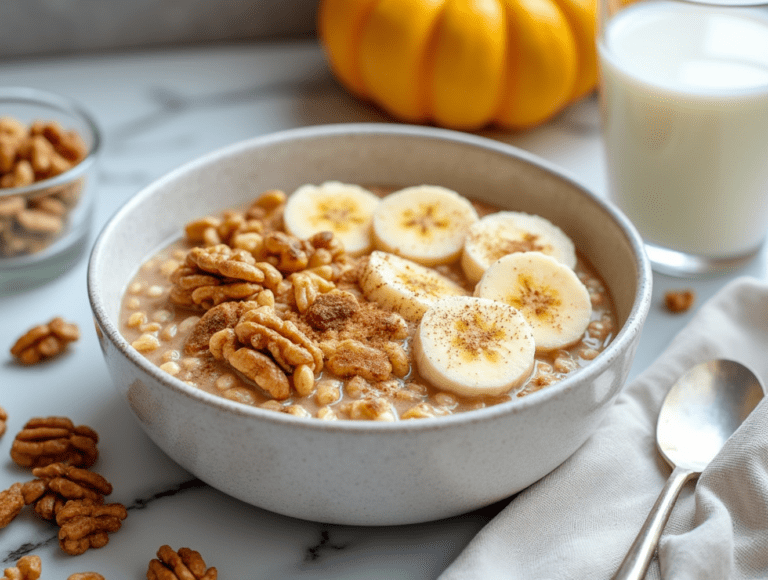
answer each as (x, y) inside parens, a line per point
(243, 308)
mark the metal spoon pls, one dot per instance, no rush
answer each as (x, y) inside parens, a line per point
(702, 409)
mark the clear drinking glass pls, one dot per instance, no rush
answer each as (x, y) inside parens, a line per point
(684, 105)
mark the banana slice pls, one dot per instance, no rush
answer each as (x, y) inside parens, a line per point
(506, 232)
(548, 294)
(426, 224)
(474, 346)
(404, 286)
(346, 210)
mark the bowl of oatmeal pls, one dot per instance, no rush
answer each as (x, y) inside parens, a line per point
(368, 324)
(48, 152)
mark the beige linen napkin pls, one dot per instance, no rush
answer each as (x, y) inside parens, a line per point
(579, 521)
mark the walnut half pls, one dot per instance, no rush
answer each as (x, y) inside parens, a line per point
(26, 568)
(185, 564)
(46, 440)
(86, 524)
(45, 341)
(58, 483)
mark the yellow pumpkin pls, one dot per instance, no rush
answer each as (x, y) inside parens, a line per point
(463, 64)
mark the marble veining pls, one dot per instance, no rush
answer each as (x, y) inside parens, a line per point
(137, 504)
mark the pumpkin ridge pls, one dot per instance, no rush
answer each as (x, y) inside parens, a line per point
(546, 71)
(425, 96)
(469, 63)
(340, 24)
(581, 17)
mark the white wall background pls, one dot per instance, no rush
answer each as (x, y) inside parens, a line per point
(45, 27)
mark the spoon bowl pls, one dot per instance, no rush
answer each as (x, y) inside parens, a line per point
(702, 409)
(700, 412)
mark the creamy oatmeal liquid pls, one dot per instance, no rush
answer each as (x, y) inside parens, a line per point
(685, 113)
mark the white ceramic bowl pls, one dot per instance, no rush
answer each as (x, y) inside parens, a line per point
(369, 473)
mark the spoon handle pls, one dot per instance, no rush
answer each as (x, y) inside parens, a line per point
(638, 557)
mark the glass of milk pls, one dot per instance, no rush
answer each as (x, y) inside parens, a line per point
(684, 104)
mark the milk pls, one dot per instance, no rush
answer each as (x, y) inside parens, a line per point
(685, 114)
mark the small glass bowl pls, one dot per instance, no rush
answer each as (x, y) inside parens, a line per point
(44, 226)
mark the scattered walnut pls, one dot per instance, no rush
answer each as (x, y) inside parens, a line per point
(45, 341)
(86, 524)
(3, 421)
(11, 504)
(679, 301)
(46, 440)
(27, 568)
(185, 564)
(57, 483)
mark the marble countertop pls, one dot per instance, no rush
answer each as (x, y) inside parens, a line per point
(158, 109)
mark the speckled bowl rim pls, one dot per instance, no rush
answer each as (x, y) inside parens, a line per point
(622, 341)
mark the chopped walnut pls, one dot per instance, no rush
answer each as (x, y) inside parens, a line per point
(310, 284)
(355, 358)
(45, 341)
(236, 264)
(289, 254)
(332, 310)
(268, 201)
(185, 564)
(259, 332)
(218, 274)
(258, 367)
(263, 330)
(679, 301)
(218, 318)
(262, 371)
(11, 504)
(27, 568)
(86, 524)
(240, 230)
(46, 440)
(57, 483)
(3, 421)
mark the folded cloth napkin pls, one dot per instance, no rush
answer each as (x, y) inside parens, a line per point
(579, 521)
